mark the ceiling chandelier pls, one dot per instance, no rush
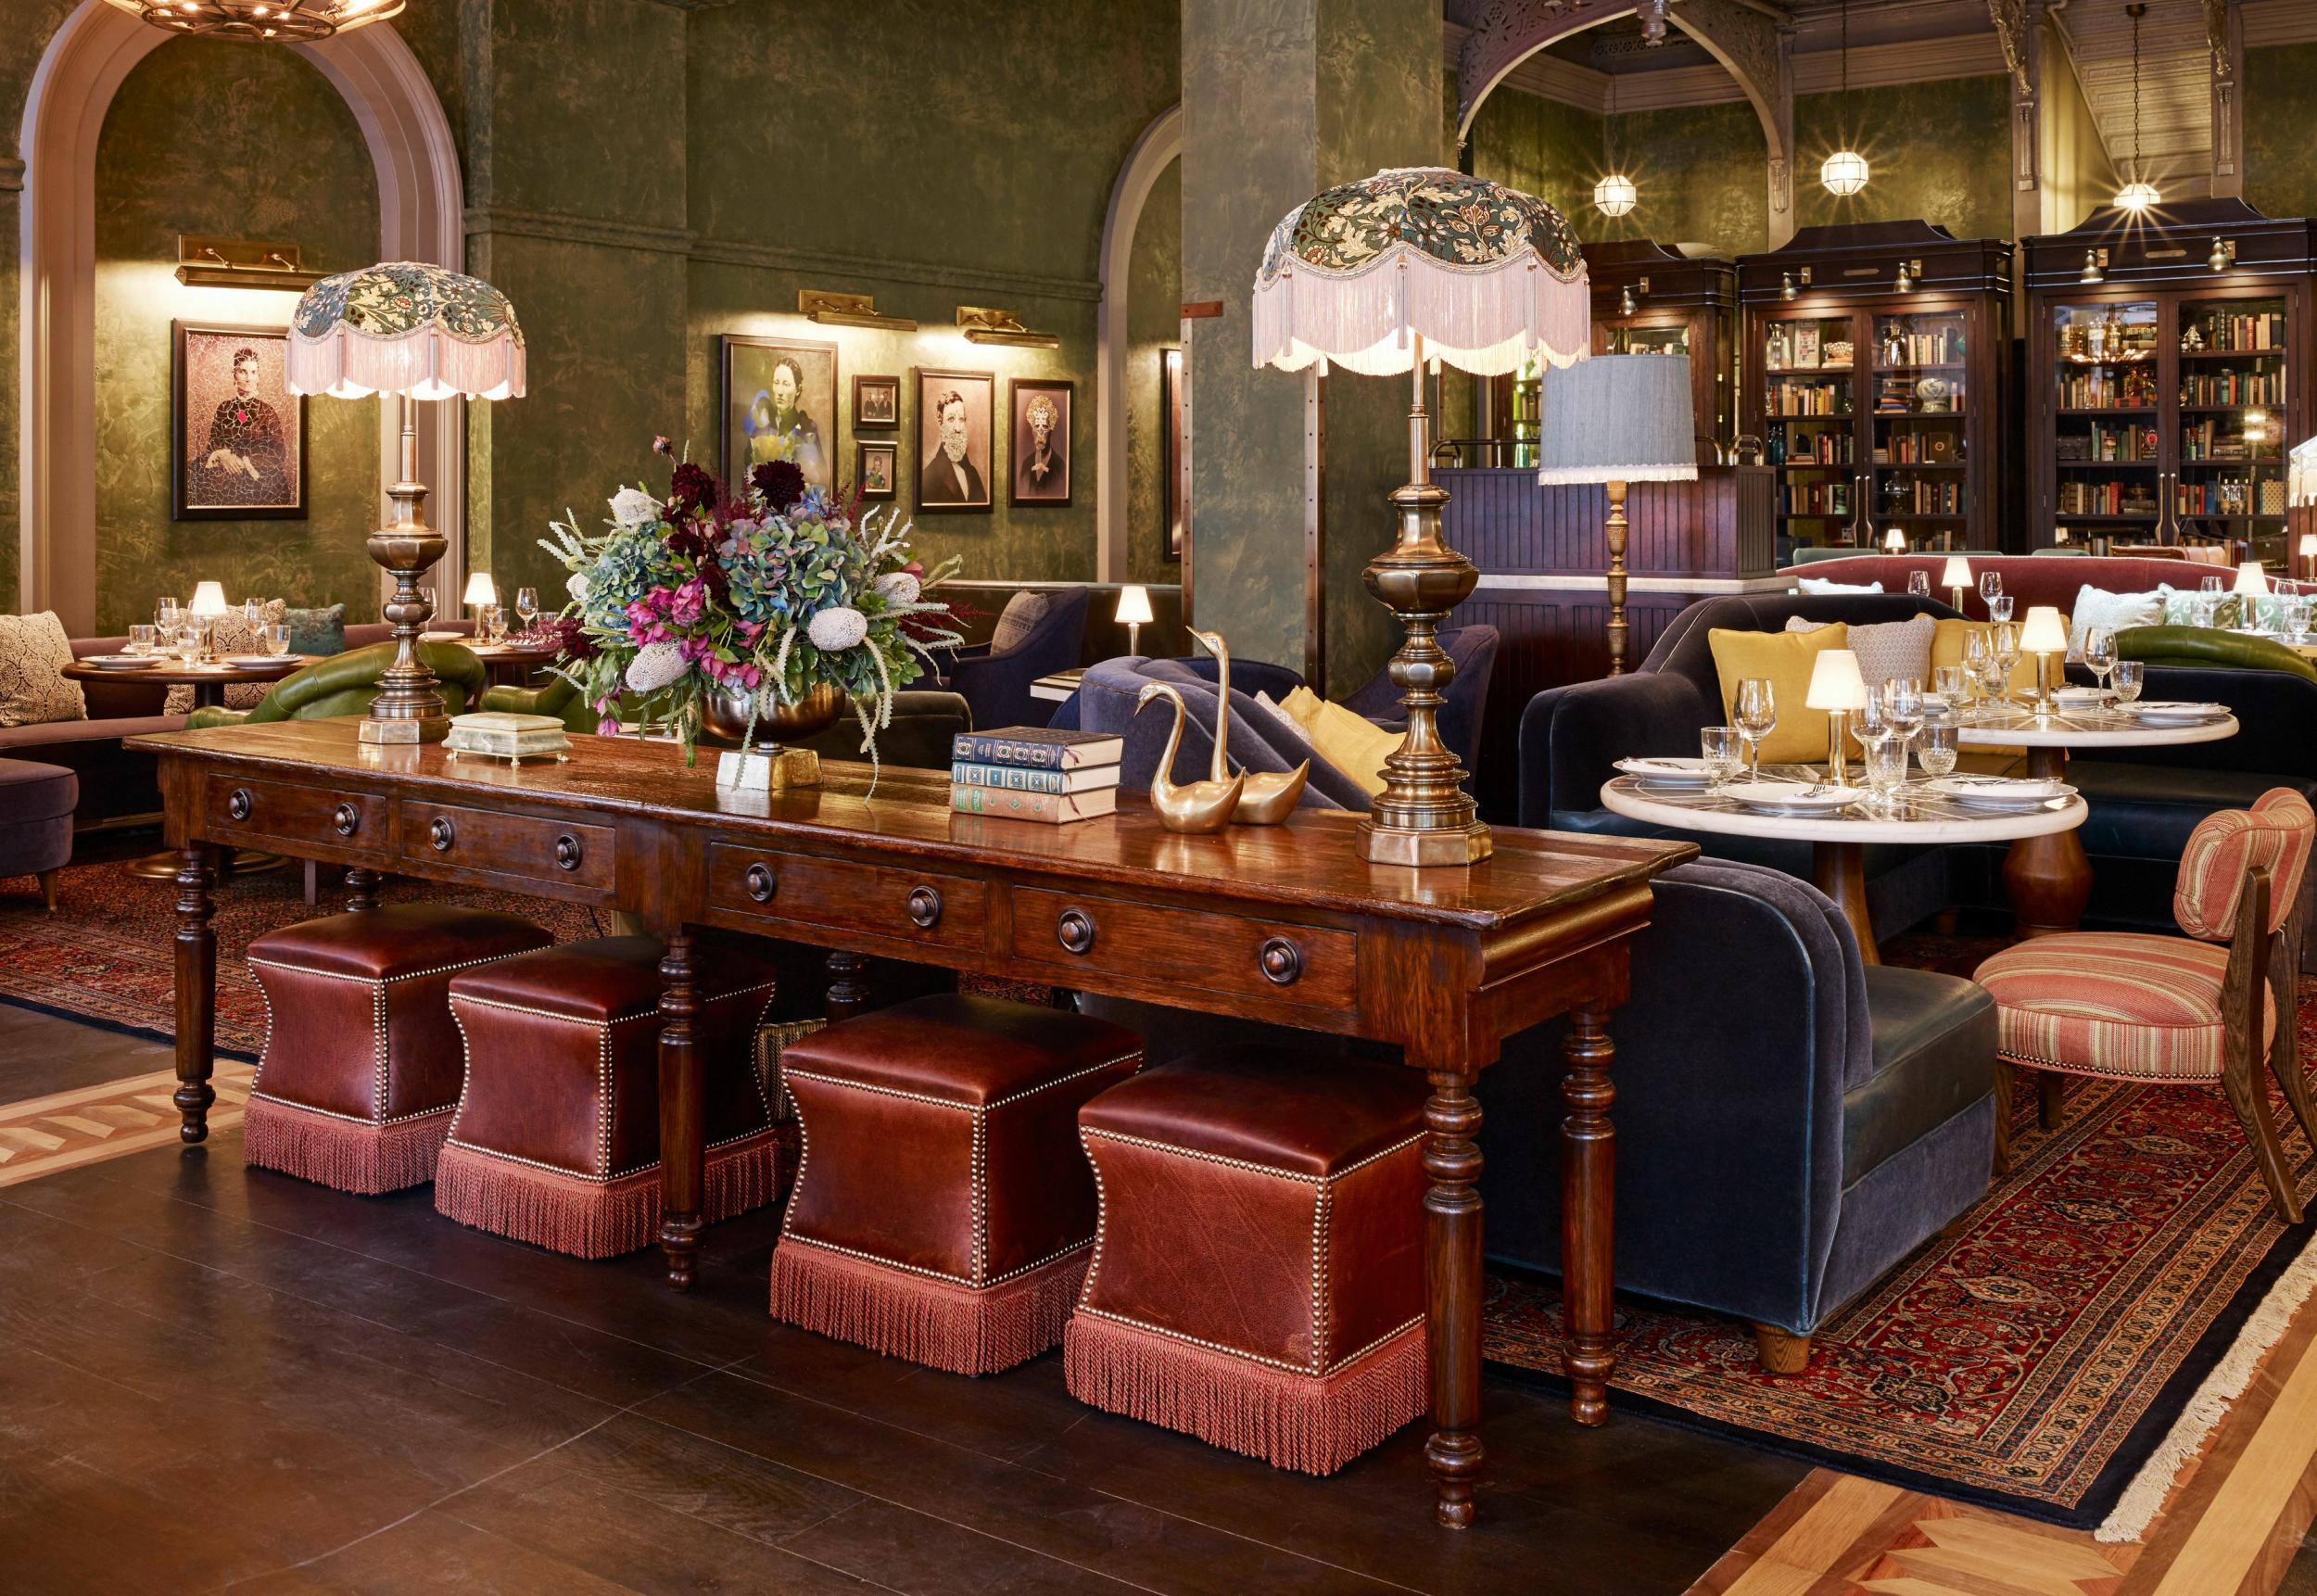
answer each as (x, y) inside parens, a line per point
(292, 21)
(1614, 194)
(2139, 195)
(1845, 172)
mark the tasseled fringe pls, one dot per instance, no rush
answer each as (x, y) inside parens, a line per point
(350, 1155)
(936, 1322)
(1483, 320)
(596, 1219)
(493, 367)
(1316, 1424)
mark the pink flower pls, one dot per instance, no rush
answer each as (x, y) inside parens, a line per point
(607, 728)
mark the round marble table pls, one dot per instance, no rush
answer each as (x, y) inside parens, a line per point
(1838, 842)
(2048, 878)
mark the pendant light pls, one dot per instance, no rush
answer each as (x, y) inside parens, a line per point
(1614, 194)
(1845, 172)
(2139, 195)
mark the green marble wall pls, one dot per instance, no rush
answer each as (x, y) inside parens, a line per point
(1940, 151)
(1154, 325)
(178, 154)
(2280, 164)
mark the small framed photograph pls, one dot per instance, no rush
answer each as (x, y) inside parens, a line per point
(876, 403)
(780, 403)
(957, 442)
(237, 435)
(877, 469)
(1041, 412)
(1806, 347)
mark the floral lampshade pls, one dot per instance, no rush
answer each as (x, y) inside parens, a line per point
(1489, 277)
(405, 327)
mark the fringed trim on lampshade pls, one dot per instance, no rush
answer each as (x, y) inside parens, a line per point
(359, 1156)
(938, 1323)
(427, 364)
(1315, 1423)
(1587, 474)
(1486, 320)
(587, 1218)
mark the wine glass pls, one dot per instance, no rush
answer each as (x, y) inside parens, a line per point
(1902, 706)
(2006, 649)
(1954, 685)
(1918, 584)
(1935, 750)
(527, 606)
(1978, 654)
(1755, 711)
(253, 614)
(2130, 674)
(2099, 655)
(1721, 747)
(1990, 588)
(165, 611)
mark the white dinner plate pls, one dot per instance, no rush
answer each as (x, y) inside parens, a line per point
(2078, 698)
(2016, 788)
(122, 662)
(257, 659)
(1667, 772)
(1794, 797)
(2171, 712)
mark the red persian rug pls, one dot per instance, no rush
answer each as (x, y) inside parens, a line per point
(2037, 1354)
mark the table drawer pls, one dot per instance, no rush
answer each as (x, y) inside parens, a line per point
(235, 808)
(509, 844)
(918, 905)
(1249, 956)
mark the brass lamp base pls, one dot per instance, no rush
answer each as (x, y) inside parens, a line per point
(408, 709)
(1397, 845)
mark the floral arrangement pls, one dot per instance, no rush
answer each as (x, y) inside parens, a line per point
(762, 599)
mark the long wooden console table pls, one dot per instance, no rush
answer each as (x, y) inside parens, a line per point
(1285, 924)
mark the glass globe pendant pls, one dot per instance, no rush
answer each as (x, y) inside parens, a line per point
(2140, 196)
(1844, 173)
(1615, 195)
(291, 21)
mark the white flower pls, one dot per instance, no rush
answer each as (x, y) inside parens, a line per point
(898, 585)
(833, 631)
(634, 507)
(578, 586)
(656, 665)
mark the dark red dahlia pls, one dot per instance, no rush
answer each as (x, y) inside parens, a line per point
(572, 642)
(693, 487)
(781, 481)
(691, 540)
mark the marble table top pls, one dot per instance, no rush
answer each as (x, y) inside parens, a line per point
(1922, 817)
(2017, 726)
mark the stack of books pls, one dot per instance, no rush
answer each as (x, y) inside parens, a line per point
(1033, 773)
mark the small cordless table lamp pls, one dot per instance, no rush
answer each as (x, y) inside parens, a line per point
(1133, 614)
(209, 603)
(2309, 556)
(1895, 542)
(2043, 636)
(1836, 687)
(480, 595)
(1957, 579)
(2252, 583)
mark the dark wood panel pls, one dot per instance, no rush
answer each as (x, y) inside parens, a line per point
(1070, 934)
(1716, 526)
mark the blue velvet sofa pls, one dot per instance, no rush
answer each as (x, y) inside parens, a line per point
(996, 686)
(1257, 740)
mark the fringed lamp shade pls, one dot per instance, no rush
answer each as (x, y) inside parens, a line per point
(1618, 418)
(405, 327)
(1487, 276)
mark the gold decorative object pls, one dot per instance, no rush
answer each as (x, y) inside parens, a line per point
(768, 766)
(848, 311)
(1268, 796)
(290, 22)
(241, 263)
(1195, 807)
(985, 325)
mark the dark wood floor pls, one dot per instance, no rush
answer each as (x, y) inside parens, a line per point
(213, 1376)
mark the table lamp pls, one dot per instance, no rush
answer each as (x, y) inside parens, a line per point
(1381, 275)
(1957, 579)
(480, 595)
(1894, 543)
(1133, 612)
(1618, 419)
(1836, 687)
(206, 604)
(2252, 583)
(2309, 556)
(2043, 634)
(417, 332)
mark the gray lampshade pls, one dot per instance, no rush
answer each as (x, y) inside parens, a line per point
(1617, 418)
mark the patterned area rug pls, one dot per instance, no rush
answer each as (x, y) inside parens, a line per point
(2035, 1355)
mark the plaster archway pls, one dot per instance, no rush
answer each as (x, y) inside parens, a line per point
(1160, 145)
(421, 205)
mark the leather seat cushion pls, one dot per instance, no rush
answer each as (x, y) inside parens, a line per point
(62, 732)
(2117, 1004)
(384, 943)
(2149, 811)
(955, 1048)
(1256, 1102)
(608, 978)
(30, 792)
(1935, 1056)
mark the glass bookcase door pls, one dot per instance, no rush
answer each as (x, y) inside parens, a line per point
(2231, 481)
(1653, 340)
(1921, 408)
(2106, 446)
(1809, 416)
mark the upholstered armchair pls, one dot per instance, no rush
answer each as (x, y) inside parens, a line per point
(345, 684)
(997, 684)
(925, 724)
(1474, 650)
(2204, 1008)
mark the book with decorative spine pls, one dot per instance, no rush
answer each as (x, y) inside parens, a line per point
(1037, 748)
(1025, 778)
(1054, 808)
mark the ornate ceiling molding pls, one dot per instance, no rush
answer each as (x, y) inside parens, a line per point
(2015, 20)
(1508, 32)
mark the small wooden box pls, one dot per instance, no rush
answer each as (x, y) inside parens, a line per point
(514, 738)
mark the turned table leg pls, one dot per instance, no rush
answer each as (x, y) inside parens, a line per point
(2048, 879)
(683, 1153)
(196, 989)
(1452, 1280)
(361, 890)
(848, 986)
(1589, 1185)
(1839, 870)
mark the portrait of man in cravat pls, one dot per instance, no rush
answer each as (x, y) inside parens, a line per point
(953, 439)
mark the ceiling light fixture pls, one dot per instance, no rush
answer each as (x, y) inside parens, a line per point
(848, 310)
(294, 21)
(1614, 194)
(1845, 172)
(981, 325)
(2139, 196)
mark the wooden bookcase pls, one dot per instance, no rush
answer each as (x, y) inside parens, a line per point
(2164, 390)
(1880, 406)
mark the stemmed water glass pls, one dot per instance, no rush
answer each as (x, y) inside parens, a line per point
(165, 616)
(494, 624)
(527, 606)
(1903, 709)
(1978, 654)
(1990, 589)
(1754, 712)
(2208, 593)
(253, 613)
(2006, 650)
(2099, 655)
(1954, 684)
(1720, 746)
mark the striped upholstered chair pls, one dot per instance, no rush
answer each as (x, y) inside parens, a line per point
(2206, 1007)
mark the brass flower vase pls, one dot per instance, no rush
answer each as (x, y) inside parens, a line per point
(723, 717)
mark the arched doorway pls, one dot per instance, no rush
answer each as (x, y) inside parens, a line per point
(1161, 145)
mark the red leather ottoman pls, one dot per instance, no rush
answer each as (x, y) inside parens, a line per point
(557, 1139)
(1258, 1277)
(361, 1070)
(943, 1212)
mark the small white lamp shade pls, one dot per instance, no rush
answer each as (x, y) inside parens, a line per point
(208, 599)
(2309, 544)
(1957, 574)
(2043, 633)
(479, 589)
(1134, 606)
(2252, 582)
(1895, 543)
(1835, 682)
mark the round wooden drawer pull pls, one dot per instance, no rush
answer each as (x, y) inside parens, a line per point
(1283, 961)
(442, 833)
(760, 883)
(344, 819)
(925, 907)
(568, 852)
(238, 804)
(1075, 931)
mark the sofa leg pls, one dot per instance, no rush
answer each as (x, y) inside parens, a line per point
(48, 888)
(1781, 1351)
(2007, 1082)
(2051, 1089)
(1946, 921)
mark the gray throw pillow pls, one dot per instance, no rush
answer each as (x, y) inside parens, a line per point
(316, 631)
(1885, 649)
(1020, 617)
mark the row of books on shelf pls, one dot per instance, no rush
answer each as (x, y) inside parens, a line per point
(2230, 496)
(2103, 444)
(2258, 333)
(2107, 498)
(1035, 773)
(2233, 388)
(1815, 499)
(1791, 398)
(1810, 449)
(1907, 497)
(1941, 348)
(2132, 388)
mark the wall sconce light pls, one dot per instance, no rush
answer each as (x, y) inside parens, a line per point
(1630, 297)
(981, 325)
(2095, 267)
(2223, 254)
(242, 263)
(848, 310)
(1786, 284)
(1910, 274)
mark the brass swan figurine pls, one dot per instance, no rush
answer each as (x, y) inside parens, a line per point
(1192, 807)
(1269, 796)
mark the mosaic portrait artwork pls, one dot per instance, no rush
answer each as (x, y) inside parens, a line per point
(237, 435)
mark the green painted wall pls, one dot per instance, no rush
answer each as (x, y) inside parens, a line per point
(1541, 146)
(2280, 164)
(1940, 151)
(177, 155)
(1701, 173)
(1154, 325)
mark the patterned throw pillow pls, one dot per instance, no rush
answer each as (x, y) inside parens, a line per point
(233, 634)
(1886, 649)
(1020, 617)
(2183, 607)
(2098, 607)
(33, 650)
(319, 632)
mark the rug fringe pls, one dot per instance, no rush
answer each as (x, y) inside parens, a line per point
(1315, 1424)
(2137, 1508)
(347, 1155)
(937, 1322)
(595, 1219)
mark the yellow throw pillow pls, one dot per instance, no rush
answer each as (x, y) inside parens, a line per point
(1352, 743)
(1785, 659)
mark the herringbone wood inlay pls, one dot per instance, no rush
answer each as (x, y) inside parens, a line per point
(90, 1123)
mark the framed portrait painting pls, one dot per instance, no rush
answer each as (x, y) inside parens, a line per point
(876, 403)
(779, 402)
(1040, 414)
(877, 469)
(956, 446)
(237, 435)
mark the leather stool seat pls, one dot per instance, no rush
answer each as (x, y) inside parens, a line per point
(1257, 1281)
(944, 1213)
(360, 1074)
(557, 1139)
